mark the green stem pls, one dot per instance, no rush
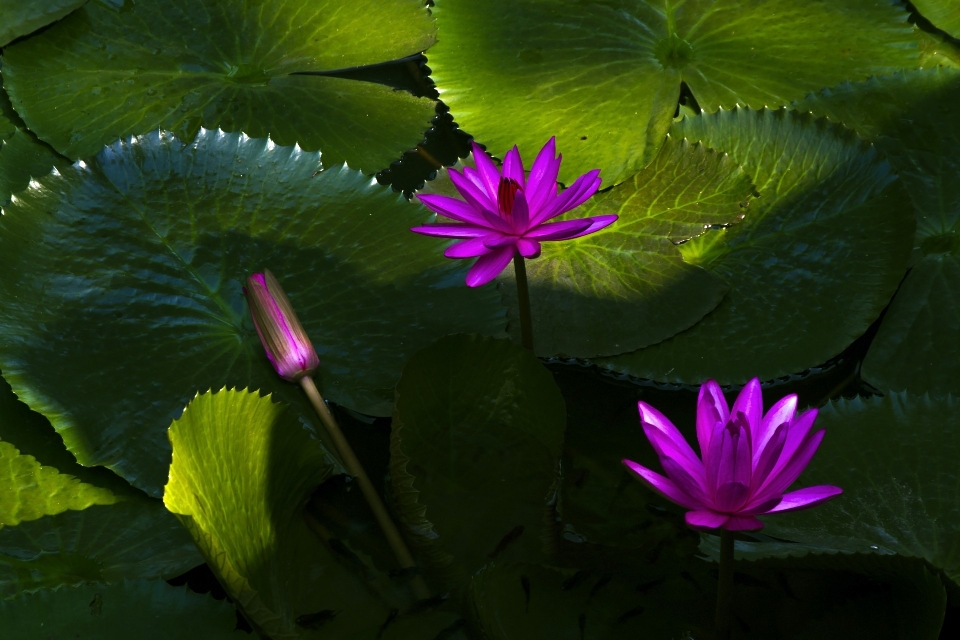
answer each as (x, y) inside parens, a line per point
(523, 301)
(725, 586)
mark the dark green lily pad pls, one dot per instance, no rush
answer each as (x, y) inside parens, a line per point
(147, 609)
(813, 264)
(944, 14)
(605, 77)
(104, 73)
(895, 458)
(20, 17)
(124, 295)
(911, 117)
(475, 451)
(133, 539)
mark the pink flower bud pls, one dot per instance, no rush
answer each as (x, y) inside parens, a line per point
(286, 343)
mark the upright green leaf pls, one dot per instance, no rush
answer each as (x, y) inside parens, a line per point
(20, 17)
(145, 609)
(474, 455)
(104, 73)
(813, 264)
(944, 14)
(123, 291)
(911, 117)
(604, 77)
(133, 539)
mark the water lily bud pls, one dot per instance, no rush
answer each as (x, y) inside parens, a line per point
(286, 343)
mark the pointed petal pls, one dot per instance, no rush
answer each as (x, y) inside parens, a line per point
(754, 507)
(468, 248)
(711, 410)
(705, 519)
(596, 224)
(494, 221)
(487, 169)
(685, 481)
(578, 193)
(663, 486)
(667, 440)
(735, 468)
(743, 523)
(521, 214)
(750, 403)
(559, 230)
(451, 208)
(528, 248)
(474, 195)
(542, 183)
(806, 498)
(513, 167)
(786, 473)
(731, 496)
(769, 455)
(489, 266)
(451, 230)
(499, 240)
(780, 413)
(798, 432)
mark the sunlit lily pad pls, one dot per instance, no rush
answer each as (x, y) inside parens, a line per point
(20, 17)
(482, 418)
(123, 295)
(812, 265)
(912, 118)
(605, 77)
(944, 14)
(146, 609)
(106, 72)
(22, 156)
(133, 539)
(895, 458)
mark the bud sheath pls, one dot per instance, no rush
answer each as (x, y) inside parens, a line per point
(286, 343)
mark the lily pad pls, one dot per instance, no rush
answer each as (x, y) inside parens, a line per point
(104, 73)
(476, 417)
(943, 14)
(18, 18)
(910, 117)
(813, 264)
(124, 297)
(895, 458)
(147, 609)
(605, 77)
(133, 539)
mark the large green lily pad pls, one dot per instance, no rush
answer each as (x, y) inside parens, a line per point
(475, 451)
(132, 539)
(124, 295)
(605, 77)
(944, 14)
(243, 469)
(20, 17)
(813, 264)
(106, 72)
(910, 116)
(147, 609)
(895, 458)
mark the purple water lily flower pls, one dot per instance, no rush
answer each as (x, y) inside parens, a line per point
(503, 213)
(749, 459)
(289, 349)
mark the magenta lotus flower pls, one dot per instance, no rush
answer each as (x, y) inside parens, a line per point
(502, 214)
(286, 343)
(749, 459)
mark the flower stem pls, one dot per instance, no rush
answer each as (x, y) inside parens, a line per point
(355, 469)
(725, 587)
(523, 301)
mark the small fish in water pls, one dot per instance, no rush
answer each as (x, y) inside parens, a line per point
(96, 605)
(633, 613)
(650, 584)
(574, 581)
(404, 573)
(601, 583)
(507, 540)
(582, 622)
(525, 583)
(449, 631)
(386, 623)
(427, 603)
(315, 620)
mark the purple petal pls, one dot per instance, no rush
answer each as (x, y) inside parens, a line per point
(769, 455)
(750, 403)
(487, 169)
(735, 468)
(500, 240)
(798, 432)
(468, 248)
(753, 507)
(451, 208)
(494, 221)
(661, 485)
(684, 479)
(451, 230)
(788, 471)
(731, 496)
(528, 248)
(596, 224)
(489, 266)
(711, 410)
(473, 194)
(667, 440)
(706, 519)
(520, 213)
(513, 167)
(780, 413)
(542, 183)
(559, 230)
(743, 523)
(806, 498)
(578, 193)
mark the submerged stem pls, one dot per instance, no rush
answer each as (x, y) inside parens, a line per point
(725, 586)
(523, 301)
(355, 469)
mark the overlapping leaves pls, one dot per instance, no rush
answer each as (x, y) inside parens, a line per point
(124, 292)
(256, 68)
